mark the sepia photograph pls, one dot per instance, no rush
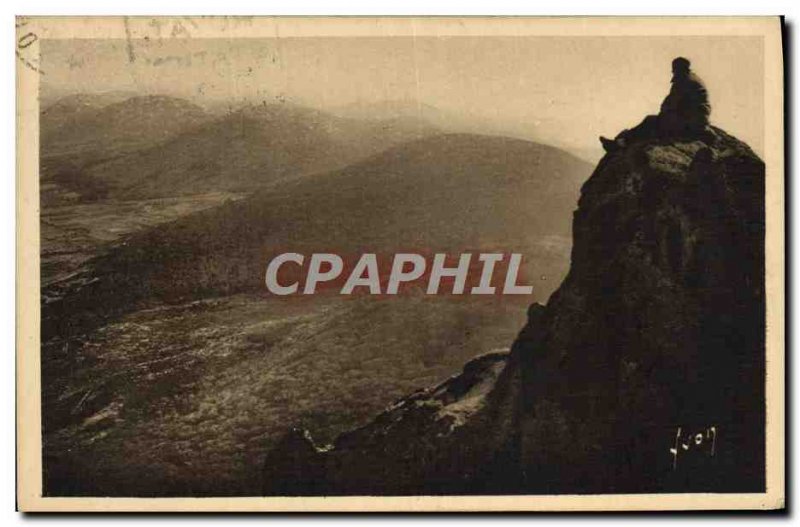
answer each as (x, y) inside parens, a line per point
(400, 263)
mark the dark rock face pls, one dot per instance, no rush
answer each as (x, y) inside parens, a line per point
(644, 372)
(659, 326)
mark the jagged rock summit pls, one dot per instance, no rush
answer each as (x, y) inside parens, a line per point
(644, 372)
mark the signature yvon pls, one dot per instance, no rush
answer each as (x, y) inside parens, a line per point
(702, 440)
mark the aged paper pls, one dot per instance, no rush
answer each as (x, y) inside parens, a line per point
(400, 264)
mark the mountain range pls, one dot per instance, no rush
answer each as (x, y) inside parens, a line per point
(450, 192)
(164, 346)
(156, 146)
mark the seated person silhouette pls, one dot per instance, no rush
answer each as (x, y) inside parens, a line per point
(684, 112)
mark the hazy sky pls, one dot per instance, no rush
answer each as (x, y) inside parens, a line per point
(567, 90)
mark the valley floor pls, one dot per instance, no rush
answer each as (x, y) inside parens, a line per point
(187, 399)
(73, 233)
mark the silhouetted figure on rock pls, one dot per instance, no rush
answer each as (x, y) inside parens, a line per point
(684, 112)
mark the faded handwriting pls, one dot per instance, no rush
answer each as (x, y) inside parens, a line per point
(24, 42)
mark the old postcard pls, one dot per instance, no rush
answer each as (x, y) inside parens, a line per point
(400, 264)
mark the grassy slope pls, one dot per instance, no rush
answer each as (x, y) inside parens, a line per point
(187, 399)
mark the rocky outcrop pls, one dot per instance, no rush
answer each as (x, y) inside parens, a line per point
(644, 372)
(434, 441)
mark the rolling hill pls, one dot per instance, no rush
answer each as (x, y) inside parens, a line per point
(124, 126)
(95, 146)
(82, 131)
(451, 192)
(72, 108)
(168, 366)
(249, 148)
